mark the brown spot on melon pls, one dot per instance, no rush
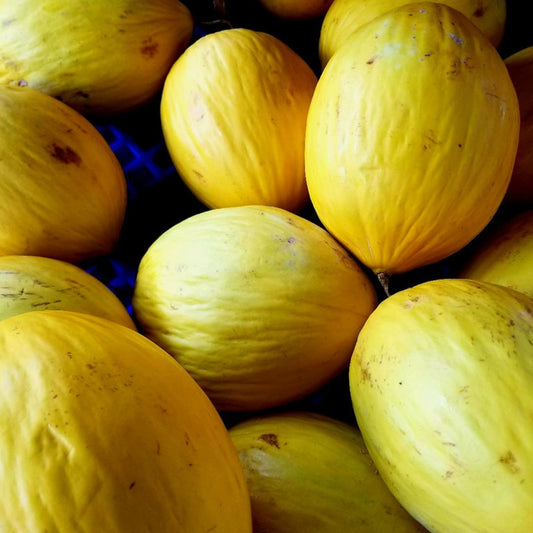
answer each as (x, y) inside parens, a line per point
(149, 47)
(270, 438)
(65, 154)
(480, 11)
(509, 460)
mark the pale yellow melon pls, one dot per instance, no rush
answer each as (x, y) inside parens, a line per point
(34, 283)
(441, 380)
(345, 16)
(233, 112)
(260, 305)
(504, 255)
(411, 139)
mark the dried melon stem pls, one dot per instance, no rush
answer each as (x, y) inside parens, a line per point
(384, 279)
(219, 15)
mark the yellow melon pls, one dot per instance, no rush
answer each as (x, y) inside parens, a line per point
(345, 16)
(260, 305)
(310, 472)
(233, 113)
(411, 137)
(441, 380)
(63, 191)
(504, 255)
(34, 283)
(99, 57)
(104, 431)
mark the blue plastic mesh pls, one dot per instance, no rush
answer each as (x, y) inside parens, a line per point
(137, 141)
(143, 167)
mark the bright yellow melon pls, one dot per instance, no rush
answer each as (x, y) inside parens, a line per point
(63, 192)
(345, 16)
(261, 306)
(411, 137)
(504, 255)
(34, 283)
(99, 57)
(441, 380)
(308, 472)
(104, 431)
(233, 113)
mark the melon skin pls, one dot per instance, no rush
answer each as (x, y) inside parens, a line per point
(104, 431)
(310, 472)
(411, 137)
(100, 58)
(35, 283)
(63, 191)
(504, 254)
(233, 113)
(441, 381)
(260, 305)
(345, 16)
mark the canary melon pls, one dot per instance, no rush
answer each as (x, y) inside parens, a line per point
(260, 305)
(233, 112)
(103, 431)
(310, 472)
(345, 16)
(34, 283)
(504, 255)
(411, 137)
(98, 57)
(63, 191)
(441, 380)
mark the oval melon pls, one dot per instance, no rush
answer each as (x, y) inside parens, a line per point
(63, 192)
(411, 137)
(104, 431)
(345, 16)
(233, 113)
(441, 380)
(260, 305)
(34, 283)
(504, 255)
(310, 472)
(99, 57)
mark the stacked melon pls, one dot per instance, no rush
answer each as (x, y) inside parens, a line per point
(363, 224)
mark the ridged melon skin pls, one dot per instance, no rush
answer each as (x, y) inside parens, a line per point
(63, 191)
(310, 472)
(345, 16)
(233, 113)
(34, 283)
(260, 305)
(441, 380)
(98, 57)
(104, 431)
(504, 255)
(411, 137)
